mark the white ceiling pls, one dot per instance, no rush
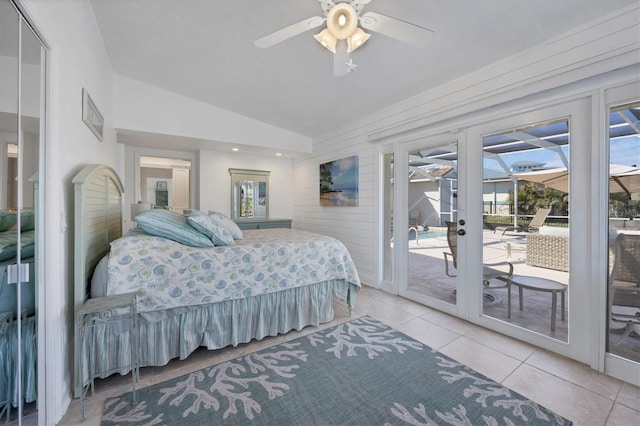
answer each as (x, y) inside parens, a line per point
(204, 49)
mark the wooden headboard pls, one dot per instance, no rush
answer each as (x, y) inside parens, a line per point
(97, 222)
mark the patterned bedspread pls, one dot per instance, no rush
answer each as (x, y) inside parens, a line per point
(166, 274)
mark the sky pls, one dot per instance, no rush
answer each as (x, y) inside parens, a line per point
(345, 173)
(624, 151)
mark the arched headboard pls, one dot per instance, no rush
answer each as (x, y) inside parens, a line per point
(98, 221)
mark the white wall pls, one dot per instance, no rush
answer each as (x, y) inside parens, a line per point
(142, 107)
(354, 226)
(215, 181)
(77, 59)
(558, 68)
(425, 196)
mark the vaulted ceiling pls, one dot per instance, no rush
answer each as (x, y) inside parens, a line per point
(204, 49)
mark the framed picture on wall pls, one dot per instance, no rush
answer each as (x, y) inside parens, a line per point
(161, 185)
(339, 182)
(91, 116)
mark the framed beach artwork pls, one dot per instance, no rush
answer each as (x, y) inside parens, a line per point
(339, 182)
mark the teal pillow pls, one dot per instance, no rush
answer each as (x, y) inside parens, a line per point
(202, 223)
(7, 219)
(171, 225)
(27, 220)
(8, 245)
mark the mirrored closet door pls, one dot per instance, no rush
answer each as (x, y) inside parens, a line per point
(21, 119)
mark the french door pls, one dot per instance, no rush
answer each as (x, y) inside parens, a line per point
(463, 207)
(621, 328)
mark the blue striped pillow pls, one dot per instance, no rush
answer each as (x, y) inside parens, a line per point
(205, 225)
(171, 225)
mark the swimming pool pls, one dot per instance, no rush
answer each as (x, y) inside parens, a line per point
(426, 234)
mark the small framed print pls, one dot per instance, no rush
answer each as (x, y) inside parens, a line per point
(91, 116)
(161, 185)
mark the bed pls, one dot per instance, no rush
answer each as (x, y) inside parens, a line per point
(269, 282)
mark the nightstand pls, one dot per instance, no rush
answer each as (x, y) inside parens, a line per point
(98, 312)
(162, 198)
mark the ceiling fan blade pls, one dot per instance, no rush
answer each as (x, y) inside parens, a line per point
(340, 59)
(288, 32)
(397, 29)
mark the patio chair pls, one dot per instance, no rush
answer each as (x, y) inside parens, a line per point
(488, 271)
(536, 222)
(624, 285)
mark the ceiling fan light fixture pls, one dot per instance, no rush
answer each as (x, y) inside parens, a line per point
(342, 20)
(327, 40)
(357, 39)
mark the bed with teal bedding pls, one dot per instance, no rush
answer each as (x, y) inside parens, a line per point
(267, 283)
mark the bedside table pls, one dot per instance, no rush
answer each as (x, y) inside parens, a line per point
(100, 311)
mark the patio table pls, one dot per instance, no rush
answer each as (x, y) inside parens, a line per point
(539, 284)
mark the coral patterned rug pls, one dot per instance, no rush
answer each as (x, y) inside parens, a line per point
(358, 373)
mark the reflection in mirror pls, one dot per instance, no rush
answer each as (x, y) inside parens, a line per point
(249, 194)
(164, 182)
(9, 29)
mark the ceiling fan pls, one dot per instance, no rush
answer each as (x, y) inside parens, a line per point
(342, 34)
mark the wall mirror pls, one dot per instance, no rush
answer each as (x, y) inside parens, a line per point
(249, 194)
(22, 65)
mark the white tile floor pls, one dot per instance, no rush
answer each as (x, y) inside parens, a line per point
(572, 390)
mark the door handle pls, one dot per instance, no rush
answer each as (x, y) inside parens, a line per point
(461, 232)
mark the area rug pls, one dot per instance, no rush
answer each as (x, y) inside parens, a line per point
(358, 373)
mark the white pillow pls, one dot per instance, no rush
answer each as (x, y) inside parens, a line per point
(207, 225)
(554, 230)
(224, 221)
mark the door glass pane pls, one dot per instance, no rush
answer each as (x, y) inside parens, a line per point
(526, 227)
(432, 202)
(387, 218)
(623, 291)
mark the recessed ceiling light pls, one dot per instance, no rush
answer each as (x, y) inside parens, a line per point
(279, 154)
(235, 149)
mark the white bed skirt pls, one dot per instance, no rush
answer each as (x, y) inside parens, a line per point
(213, 326)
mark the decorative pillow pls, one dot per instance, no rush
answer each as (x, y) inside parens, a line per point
(27, 220)
(189, 212)
(227, 223)
(8, 245)
(7, 219)
(171, 225)
(207, 226)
